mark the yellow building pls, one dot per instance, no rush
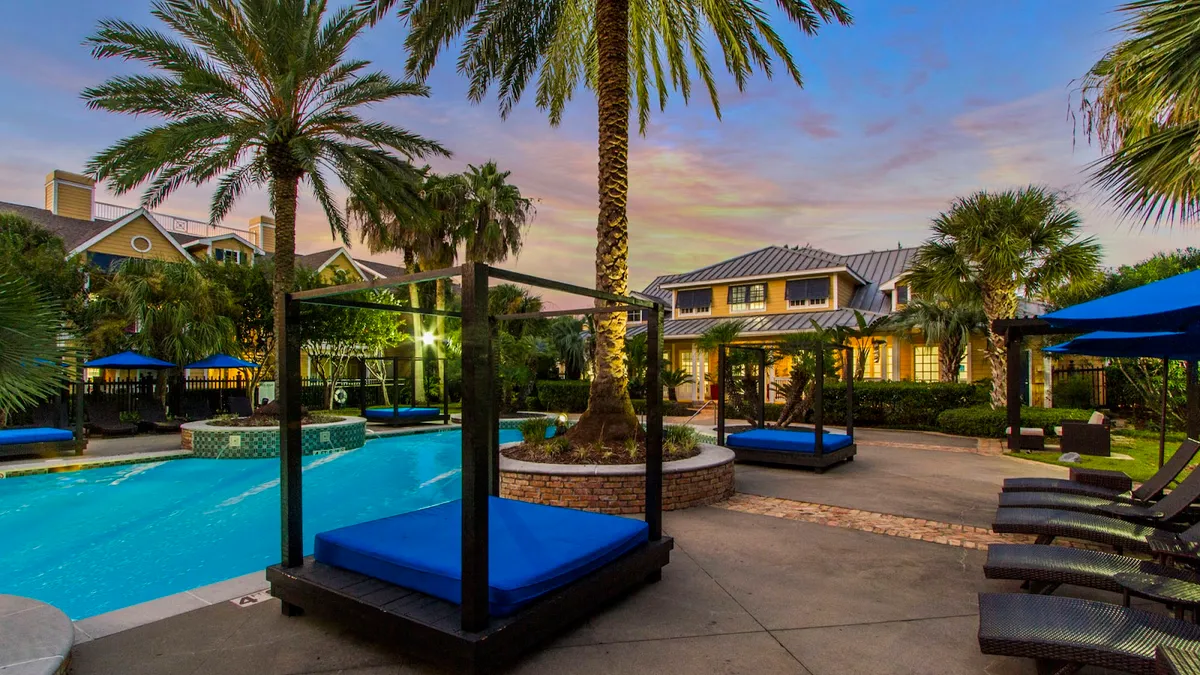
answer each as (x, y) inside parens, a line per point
(779, 290)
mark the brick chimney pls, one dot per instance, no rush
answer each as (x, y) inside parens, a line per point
(70, 195)
(262, 230)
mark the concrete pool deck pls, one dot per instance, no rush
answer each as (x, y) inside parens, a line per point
(744, 593)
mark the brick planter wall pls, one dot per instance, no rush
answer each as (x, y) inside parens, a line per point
(698, 481)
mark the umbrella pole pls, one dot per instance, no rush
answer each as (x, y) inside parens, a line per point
(1162, 420)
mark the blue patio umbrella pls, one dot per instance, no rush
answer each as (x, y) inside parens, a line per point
(1172, 304)
(1168, 346)
(129, 361)
(221, 361)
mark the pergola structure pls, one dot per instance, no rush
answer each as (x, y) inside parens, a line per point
(395, 361)
(463, 636)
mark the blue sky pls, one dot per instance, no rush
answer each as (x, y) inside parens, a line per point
(912, 105)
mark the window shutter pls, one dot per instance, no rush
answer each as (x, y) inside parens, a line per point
(701, 297)
(219, 254)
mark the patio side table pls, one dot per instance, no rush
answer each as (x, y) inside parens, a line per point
(1174, 593)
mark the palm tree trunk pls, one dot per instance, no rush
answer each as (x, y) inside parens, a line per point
(441, 332)
(949, 356)
(285, 180)
(998, 304)
(418, 363)
(610, 414)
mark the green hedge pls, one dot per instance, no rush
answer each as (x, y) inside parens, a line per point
(900, 405)
(562, 395)
(669, 408)
(990, 423)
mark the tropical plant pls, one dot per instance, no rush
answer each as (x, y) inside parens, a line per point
(167, 310)
(992, 248)
(570, 346)
(253, 93)
(1140, 102)
(636, 353)
(512, 299)
(32, 252)
(616, 48)
(861, 336)
(31, 359)
(674, 378)
(801, 351)
(947, 324)
(494, 214)
(251, 310)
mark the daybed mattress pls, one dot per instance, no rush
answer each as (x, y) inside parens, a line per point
(35, 435)
(533, 549)
(787, 441)
(388, 413)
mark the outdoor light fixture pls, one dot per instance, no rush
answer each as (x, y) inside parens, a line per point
(427, 338)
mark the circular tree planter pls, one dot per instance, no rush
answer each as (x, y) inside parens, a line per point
(217, 442)
(704, 479)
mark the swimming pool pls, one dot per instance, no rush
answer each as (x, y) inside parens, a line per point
(92, 541)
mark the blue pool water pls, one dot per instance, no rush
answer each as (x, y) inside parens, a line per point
(97, 540)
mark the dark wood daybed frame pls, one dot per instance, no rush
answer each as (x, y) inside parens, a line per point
(463, 636)
(75, 446)
(819, 459)
(443, 417)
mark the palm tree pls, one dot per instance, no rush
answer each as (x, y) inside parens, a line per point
(566, 335)
(617, 49)
(947, 324)
(861, 337)
(31, 360)
(672, 378)
(1140, 102)
(991, 248)
(256, 92)
(494, 214)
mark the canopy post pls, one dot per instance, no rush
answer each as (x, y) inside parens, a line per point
(494, 433)
(762, 389)
(720, 394)
(1193, 401)
(819, 402)
(849, 375)
(477, 416)
(362, 386)
(396, 385)
(290, 451)
(654, 423)
(1013, 341)
(80, 384)
(1162, 418)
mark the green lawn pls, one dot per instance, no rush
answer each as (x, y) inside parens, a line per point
(1141, 445)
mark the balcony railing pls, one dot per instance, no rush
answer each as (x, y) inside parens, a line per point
(177, 224)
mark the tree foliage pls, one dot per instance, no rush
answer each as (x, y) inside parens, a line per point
(946, 324)
(31, 358)
(32, 252)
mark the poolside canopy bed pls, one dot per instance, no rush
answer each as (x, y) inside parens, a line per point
(397, 414)
(48, 435)
(475, 582)
(817, 449)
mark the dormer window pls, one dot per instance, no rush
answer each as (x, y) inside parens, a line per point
(694, 302)
(227, 255)
(901, 295)
(748, 298)
(808, 293)
(636, 316)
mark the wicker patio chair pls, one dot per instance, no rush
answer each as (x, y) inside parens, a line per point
(154, 418)
(1175, 506)
(1049, 524)
(1065, 634)
(1147, 491)
(1172, 661)
(1044, 568)
(103, 418)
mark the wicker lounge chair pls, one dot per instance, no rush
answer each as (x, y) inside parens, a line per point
(1175, 506)
(154, 418)
(1065, 634)
(104, 419)
(1044, 568)
(1147, 491)
(1048, 524)
(1172, 661)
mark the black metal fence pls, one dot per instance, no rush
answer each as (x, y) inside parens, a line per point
(1095, 378)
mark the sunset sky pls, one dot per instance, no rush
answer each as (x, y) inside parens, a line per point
(915, 103)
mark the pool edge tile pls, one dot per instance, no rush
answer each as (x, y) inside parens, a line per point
(118, 620)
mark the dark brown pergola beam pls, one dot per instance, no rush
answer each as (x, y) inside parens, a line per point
(355, 304)
(567, 312)
(538, 282)
(374, 284)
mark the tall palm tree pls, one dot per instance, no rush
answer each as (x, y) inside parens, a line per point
(253, 93)
(1140, 102)
(992, 248)
(494, 214)
(619, 49)
(566, 335)
(949, 325)
(30, 355)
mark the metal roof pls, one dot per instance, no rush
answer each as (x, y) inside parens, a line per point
(764, 261)
(763, 324)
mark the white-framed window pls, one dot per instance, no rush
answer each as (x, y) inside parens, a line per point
(695, 302)
(635, 316)
(902, 295)
(927, 366)
(694, 310)
(748, 298)
(141, 244)
(808, 293)
(227, 255)
(810, 303)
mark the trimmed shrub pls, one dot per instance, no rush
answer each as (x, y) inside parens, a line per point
(533, 430)
(1073, 392)
(679, 439)
(899, 405)
(988, 422)
(563, 395)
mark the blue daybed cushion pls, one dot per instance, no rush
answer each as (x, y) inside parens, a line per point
(386, 413)
(788, 441)
(533, 549)
(38, 435)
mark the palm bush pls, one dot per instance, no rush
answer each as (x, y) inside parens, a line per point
(31, 358)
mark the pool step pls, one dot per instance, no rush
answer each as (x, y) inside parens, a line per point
(35, 638)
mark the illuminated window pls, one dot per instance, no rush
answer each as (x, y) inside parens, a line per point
(749, 298)
(926, 367)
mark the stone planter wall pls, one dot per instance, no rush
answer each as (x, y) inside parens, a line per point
(704, 479)
(213, 442)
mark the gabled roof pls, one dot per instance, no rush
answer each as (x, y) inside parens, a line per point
(115, 225)
(762, 324)
(209, 241)
(321, 259)
(768, 261)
